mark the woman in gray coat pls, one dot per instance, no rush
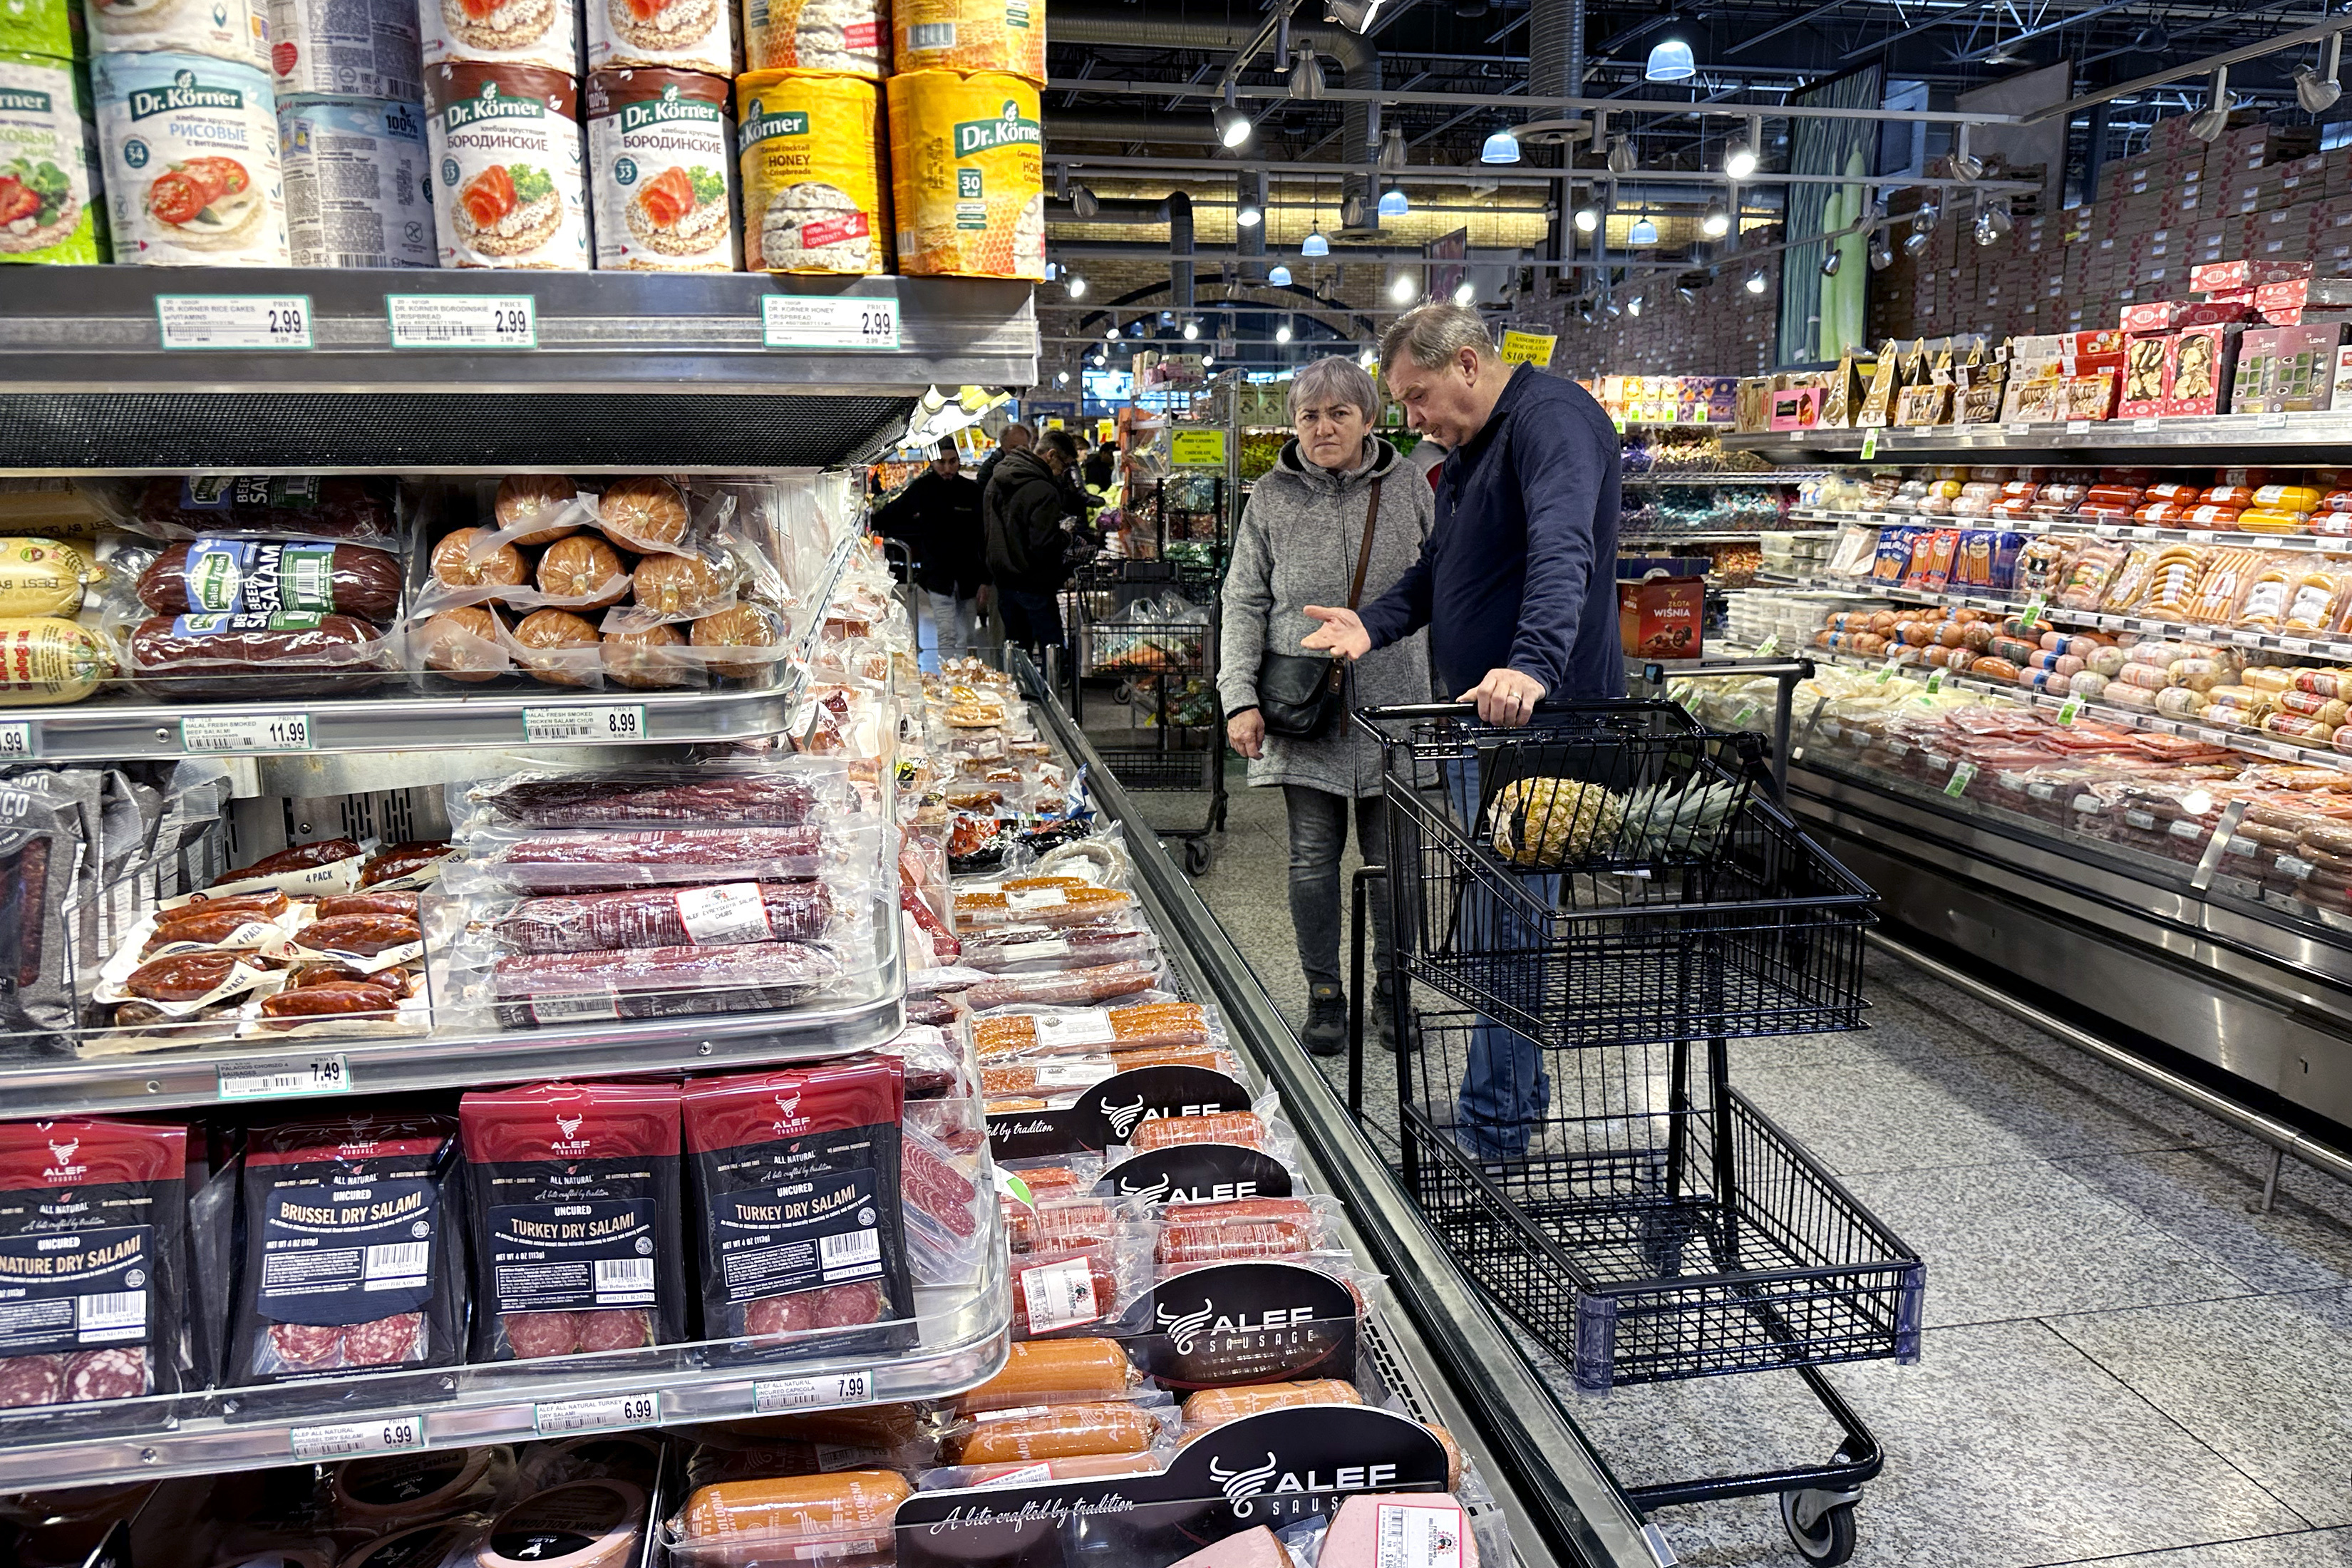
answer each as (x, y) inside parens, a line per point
(1298, 544)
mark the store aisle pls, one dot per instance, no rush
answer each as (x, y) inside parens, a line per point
(2123, 1365)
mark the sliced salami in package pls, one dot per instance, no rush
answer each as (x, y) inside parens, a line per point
(354, 1258)
(577, 1218)
(796, 1179)
(93, 1261)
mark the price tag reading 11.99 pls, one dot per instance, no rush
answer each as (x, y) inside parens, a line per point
(257, 732)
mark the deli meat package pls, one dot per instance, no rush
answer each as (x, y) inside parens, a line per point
(93, 1261)
(353, 1255)
(577, 1218)
(796, 1181)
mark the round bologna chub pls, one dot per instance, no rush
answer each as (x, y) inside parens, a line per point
(45, 178)
(358, 189)
(509, 184)
(234, 30)
(190, 145)
(660, 158)
(815, 173)
(345, 49)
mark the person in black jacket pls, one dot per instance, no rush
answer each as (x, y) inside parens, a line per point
(1029, 517)
(937, 516)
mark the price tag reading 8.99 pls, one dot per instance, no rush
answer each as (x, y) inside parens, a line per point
(595, 725)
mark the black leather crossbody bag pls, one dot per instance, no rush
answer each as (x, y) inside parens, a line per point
(1300, 696)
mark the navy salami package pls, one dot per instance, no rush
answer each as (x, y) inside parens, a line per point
(797, 1188)
(93, 1261)
(578, 1223)
(352, 1255)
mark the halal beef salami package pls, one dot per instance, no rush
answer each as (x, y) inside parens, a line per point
(93, 1261)
(796, 1181)
(353, 1258)
(578, 1228)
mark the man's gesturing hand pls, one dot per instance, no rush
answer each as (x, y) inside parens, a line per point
(1343, 633)
(1504, 697)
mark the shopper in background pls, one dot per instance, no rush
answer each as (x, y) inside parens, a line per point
(937, 517)
(1030, 517)
(1517, 588)
(1074, 481)
(1101, 466)
(1339, 505)
(1428, 456)
(1014, 437)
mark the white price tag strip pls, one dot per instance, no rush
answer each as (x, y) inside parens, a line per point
(458, 322)
(590, 725)
(234, 321)
(817, 322)
(386, 1434)
(15, 740)
(781, 1394)
(284, 1078)
(2269, 421)
(2143, 424)
(246, 732)
(2078, 428)
(566, 1416)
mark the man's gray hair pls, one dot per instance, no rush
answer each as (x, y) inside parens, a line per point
(1016, 437)
(1433, 335)
(1337, 379)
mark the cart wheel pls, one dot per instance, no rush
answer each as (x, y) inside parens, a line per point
(1123, 693)
(1822, 1527)
(1196, 857)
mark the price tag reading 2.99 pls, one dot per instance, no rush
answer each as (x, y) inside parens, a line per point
(234, 321)
(829, 321)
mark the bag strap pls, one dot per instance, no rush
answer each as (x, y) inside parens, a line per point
(1364, 552)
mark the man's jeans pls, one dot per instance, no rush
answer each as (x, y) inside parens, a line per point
(1319, 837)
(1504, 1090)
(952, 621)
(1033, 620)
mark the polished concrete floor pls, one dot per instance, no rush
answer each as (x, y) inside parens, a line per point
(2122, 1363)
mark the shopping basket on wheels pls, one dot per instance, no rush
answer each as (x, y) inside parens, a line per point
(1602, 899)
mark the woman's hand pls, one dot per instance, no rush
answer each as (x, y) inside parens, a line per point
(1246, 730)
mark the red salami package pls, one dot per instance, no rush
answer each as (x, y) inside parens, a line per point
(353, 1258)
(796, 1181)
(578, 1227)
(93, 1261)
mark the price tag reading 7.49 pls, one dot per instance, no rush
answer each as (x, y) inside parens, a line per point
(829, 321)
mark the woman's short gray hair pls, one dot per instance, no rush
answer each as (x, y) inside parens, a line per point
(1337, 379)
(1434, 334)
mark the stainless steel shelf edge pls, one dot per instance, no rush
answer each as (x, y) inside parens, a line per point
(2313, 440)
(1555, 1489)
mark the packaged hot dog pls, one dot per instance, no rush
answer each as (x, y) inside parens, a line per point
(845, 1516)
(353, 1257)
(1138, 1423)
(796, 1180)
(578, 1218)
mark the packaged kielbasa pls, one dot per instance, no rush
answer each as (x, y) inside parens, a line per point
(354, 1258)
(577, 1218)
(93, 1261)
(796, 1183)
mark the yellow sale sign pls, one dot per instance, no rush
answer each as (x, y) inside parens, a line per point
(1527, 348)
(1197, 448)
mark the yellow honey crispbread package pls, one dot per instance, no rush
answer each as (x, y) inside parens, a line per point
(969, 36)
(967, 175)
(816, 196)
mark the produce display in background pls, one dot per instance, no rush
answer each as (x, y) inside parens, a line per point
(1260, 451)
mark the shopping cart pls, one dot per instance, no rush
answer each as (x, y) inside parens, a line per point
(1604, 898)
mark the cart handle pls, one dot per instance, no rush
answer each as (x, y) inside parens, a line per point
(1602, 705)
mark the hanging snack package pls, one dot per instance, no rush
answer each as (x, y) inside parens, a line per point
(354, 1259)
(93, 1261)
(796, 1178)
(574, 1188)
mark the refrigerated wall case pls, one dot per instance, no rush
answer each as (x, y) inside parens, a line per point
(2184, 949)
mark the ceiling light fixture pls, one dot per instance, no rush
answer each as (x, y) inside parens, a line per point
(1465, 292)
(2209, 124)
(1966, 167)
(1882, 250)
(1755, 281)
(1356, 16)
(1392, 149)
(1351, 212)
(1621, 160)
(1588, 213)
(1402, 287)
(1687, 294)
(1282, 333)
(1644, 231)
(1501, 147)
(1191, 331)
(1670, 61)
(1110, 334)
(2318, 90)
(1717, 223)
(1307, 77)
(1082, 202)
(1232, 125)
(1076, 286)
(1994, 223)
(1279, 276)
(1392, 203)
(1742, 155)
(1208, 360)
(1315, 244)
(1832, 261)
(1247, 214)
(1098, 359)
(1634, 307)
(1062, 378)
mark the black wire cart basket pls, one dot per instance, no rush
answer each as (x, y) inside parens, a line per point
(1597, 903)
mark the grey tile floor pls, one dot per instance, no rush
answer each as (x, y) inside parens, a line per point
(2122, 1364)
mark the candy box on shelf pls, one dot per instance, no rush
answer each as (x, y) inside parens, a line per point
(1660, 617)
(2244, 273)
(1798, 408)
(2198, 375)
(2147, 378)
(2155, 316)
(2304, 374)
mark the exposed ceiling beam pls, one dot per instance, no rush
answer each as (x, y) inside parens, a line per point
(1614, 105)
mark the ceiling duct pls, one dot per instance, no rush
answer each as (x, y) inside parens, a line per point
(1180, 250)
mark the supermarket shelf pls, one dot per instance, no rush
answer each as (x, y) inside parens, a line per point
(105, 1079)
(963, 1340)
(2291, 440)
(630, 371)
(1778, 477)
(1750, 537)
(2081, 527)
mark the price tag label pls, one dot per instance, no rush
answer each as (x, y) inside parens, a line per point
(1869, 444)
(2069, 710)
(1747, 711)
(246, 732)
(2018, 427)
(1768, 646)
(390, 1435)
(771, 1395)
(2269, 421)
(284, 1078)
(820, 322)
(1886, 672)
(589, 725)
(2143, 424)
(1963, 774)
(2032, 613)
(235, 320)
(566, 1416)
(2078, 428)
(1935, 678)
(2286, 645)
(463, 321)
(15, 740)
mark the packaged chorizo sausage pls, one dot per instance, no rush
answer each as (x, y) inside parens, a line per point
(577, 1220)
(93, 1261)
(354, 1259)
(796, 1180)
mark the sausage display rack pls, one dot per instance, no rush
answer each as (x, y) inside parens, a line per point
(125, 371)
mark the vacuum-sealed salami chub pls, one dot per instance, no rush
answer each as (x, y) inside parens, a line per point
(353, 1260)
(796, 1181)
(93, 1246)
(577, 1219)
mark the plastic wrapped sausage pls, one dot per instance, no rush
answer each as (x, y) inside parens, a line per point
(1212, 1407)
(648, 797)
(1243, 1230)
(248, 576)
(282, 655)
(1062, 1432)
(649, 856)
(717, 914)
(1087, 987)
(1245, 1128)
(1152, 1024)
(657, 982)
(848, 1512)
(1039, 1370)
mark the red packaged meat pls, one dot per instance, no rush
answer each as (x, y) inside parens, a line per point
(796, 1179)
(578, 1218)
(587, 861)
(350, 510)
(93, 1261)
(719, 914)
(708, 794)
(1246, 1230)
(539, 988)
(354, 1258)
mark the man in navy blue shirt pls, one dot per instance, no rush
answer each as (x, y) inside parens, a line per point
(1517, 587)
